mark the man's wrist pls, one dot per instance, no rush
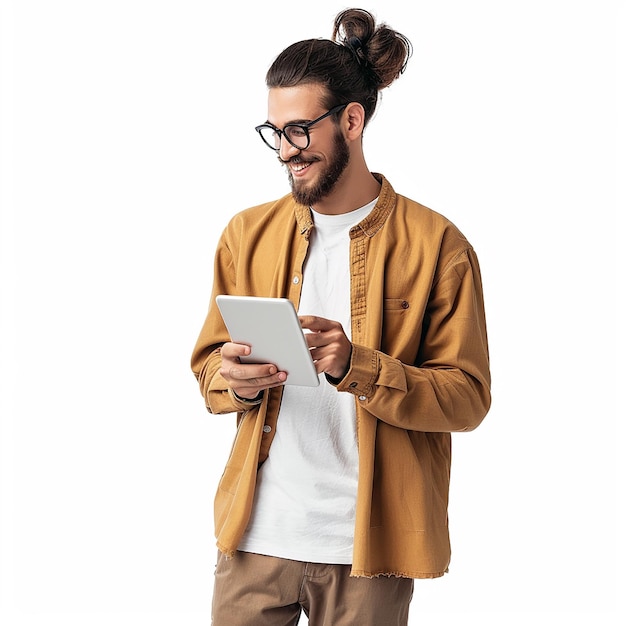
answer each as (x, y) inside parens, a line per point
(257, 400)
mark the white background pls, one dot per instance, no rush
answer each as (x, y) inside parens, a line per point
(127, 142)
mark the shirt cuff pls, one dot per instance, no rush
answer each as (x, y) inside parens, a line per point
(361, 377)
(246, 401)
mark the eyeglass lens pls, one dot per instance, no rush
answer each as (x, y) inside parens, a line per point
(296, 135)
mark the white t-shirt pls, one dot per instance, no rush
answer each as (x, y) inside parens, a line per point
(305, 499)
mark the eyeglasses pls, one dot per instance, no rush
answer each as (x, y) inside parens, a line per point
(296, 134)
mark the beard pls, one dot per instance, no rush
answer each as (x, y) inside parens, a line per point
(310, 193)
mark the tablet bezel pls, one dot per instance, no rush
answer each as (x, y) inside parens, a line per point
(270, 326)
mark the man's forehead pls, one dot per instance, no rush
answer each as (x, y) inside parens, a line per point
(287, 104)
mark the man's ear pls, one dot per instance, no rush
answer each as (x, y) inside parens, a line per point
(354, 117)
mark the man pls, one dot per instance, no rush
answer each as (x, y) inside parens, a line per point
(334, 498)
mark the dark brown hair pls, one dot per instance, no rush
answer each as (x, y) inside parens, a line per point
(361, 59)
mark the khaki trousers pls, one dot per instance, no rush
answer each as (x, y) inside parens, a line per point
(255, 590)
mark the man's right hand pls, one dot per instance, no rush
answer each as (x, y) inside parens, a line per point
(247, 380)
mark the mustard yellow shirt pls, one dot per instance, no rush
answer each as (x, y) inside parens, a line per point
(419, 370)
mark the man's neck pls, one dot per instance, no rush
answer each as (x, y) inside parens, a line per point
(351, 193)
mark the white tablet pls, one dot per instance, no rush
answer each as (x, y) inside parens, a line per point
(270, 326)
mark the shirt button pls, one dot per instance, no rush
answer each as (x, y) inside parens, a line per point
(296, 280)
(267, 428)
(362, 398)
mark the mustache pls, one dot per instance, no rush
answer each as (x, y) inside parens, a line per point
(296, 159)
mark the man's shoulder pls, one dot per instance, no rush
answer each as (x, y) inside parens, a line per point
(261, 211)
(265, 221)
(427, 219)
(410, 209)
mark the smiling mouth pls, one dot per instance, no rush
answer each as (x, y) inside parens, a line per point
(299, 167)
(297, 164)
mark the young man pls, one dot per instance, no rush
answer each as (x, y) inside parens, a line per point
(334, 498)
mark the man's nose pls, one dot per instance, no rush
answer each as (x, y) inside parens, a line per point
(286, 149)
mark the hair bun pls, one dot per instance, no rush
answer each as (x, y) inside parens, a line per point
(354, 43)
(380, 50)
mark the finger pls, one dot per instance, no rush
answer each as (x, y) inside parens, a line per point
(249, 388)
(319, 339)
(247, 372)
(316, 340)
(331, 365)
(232, 351)
(315, 324)
(264, 382)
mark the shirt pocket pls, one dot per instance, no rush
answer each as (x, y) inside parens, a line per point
(395, 304)
(401, 330)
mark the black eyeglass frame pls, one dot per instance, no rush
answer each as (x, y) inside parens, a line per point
(305, 127)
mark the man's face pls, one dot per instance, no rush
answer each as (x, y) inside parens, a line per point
(313, 172)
